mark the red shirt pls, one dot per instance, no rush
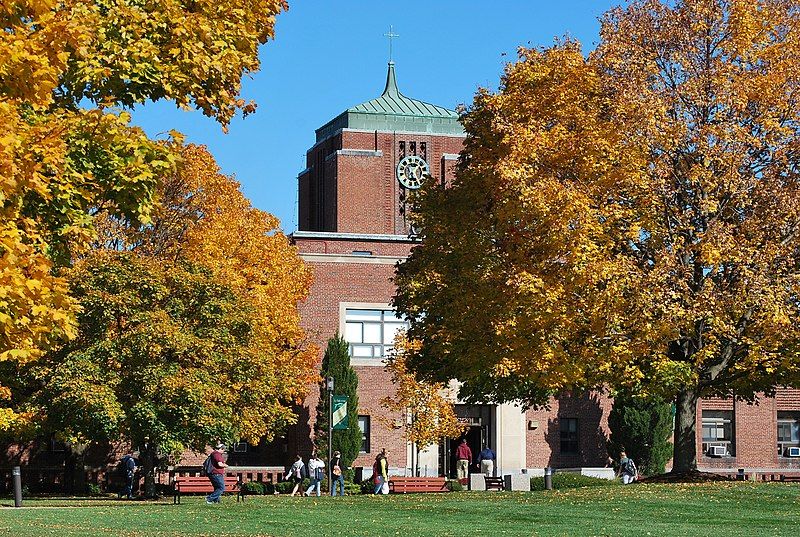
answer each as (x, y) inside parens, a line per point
(464, 453)
(216, 456)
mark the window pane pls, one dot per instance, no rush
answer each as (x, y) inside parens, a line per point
(363, 315)
(372, 333)
(362, 351)
(352, 333)
(390, 316)
(390, 330)
(363, 424)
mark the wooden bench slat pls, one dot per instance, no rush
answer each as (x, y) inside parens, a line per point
(187, 484)
(417, 484)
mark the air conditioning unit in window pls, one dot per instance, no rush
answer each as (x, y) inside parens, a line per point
(792, 452)
(717, 451)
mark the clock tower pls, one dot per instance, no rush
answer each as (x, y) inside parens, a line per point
(367, 159)
(353, 230)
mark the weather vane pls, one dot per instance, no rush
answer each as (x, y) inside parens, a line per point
(391, 35)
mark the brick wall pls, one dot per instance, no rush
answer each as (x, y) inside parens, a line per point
(755, 431)
(349, 185)
(544, 443)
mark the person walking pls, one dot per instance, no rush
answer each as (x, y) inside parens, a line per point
(216, 473)
(380, 472)
(627, 469)
(128, 463)
(337, 472)
(464, 459)
(486, 460)
(296, 473)
(316, 470)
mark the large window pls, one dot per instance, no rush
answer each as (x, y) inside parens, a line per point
(370, 333)
(569, 436)
(788, 433)
(363, 424)
(718, 433)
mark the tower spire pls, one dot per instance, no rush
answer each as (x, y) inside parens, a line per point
(391, 82)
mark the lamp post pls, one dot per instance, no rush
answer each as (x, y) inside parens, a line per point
(329, 385)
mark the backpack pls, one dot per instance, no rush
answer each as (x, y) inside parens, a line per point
(208, 465)
(630, 467)
(304, 471)
(129, 463)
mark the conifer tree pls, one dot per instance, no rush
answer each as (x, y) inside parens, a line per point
(641, 428)
(336, 364)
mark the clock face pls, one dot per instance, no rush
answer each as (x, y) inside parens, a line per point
(411, 171)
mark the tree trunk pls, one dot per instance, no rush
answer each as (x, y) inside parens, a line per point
(74, 469)
(148, 469)
(684, 457)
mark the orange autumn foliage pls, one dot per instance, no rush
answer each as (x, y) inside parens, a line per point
(626, 219)
(429, 405)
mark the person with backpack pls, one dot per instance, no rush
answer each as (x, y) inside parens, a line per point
(296, 474)
(316, 469)
(128, 465)
(627, 469)
(214, 468)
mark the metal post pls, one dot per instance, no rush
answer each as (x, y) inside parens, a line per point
(17, 475)
(330, 434)
(548, 478)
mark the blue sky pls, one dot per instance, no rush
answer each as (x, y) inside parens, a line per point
(329, 55)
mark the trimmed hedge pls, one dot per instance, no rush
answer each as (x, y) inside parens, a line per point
(569, 480)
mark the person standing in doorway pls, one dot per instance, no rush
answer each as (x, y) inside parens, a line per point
(337, 474)
(217, 474)
(464, 459)
(486, 459)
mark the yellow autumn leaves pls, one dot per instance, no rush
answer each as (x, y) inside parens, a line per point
(629, 218)
(68, 151)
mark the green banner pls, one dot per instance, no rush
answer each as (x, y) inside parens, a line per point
(339, 412)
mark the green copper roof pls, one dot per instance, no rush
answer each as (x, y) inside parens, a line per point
(393, 111)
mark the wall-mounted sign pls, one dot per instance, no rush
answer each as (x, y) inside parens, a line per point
(470, 420)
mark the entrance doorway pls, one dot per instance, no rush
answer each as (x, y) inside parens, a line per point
(478, 434)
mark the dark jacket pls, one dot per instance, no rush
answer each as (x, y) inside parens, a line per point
(487, 454)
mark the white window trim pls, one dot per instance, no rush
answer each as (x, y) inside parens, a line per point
(343, 307)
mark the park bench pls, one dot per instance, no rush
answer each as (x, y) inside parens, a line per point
(188, 484)
(402, 485)
(790, 478)
(495, 483)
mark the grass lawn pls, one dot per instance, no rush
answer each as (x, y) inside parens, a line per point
(725, 509)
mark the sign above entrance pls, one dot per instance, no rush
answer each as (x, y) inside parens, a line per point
(470, 420)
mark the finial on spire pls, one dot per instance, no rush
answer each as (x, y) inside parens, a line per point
(391, 35)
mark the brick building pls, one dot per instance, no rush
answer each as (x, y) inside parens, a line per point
(353, 231)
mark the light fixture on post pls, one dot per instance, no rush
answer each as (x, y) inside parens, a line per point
(329, 386)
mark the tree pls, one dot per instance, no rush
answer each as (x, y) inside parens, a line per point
(202, 229)
(642, 428)
(428, 405)
(67, 150)
(165, 357)
(336, 364)
(629, 219)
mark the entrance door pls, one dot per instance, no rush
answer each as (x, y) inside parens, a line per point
(478, 433)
